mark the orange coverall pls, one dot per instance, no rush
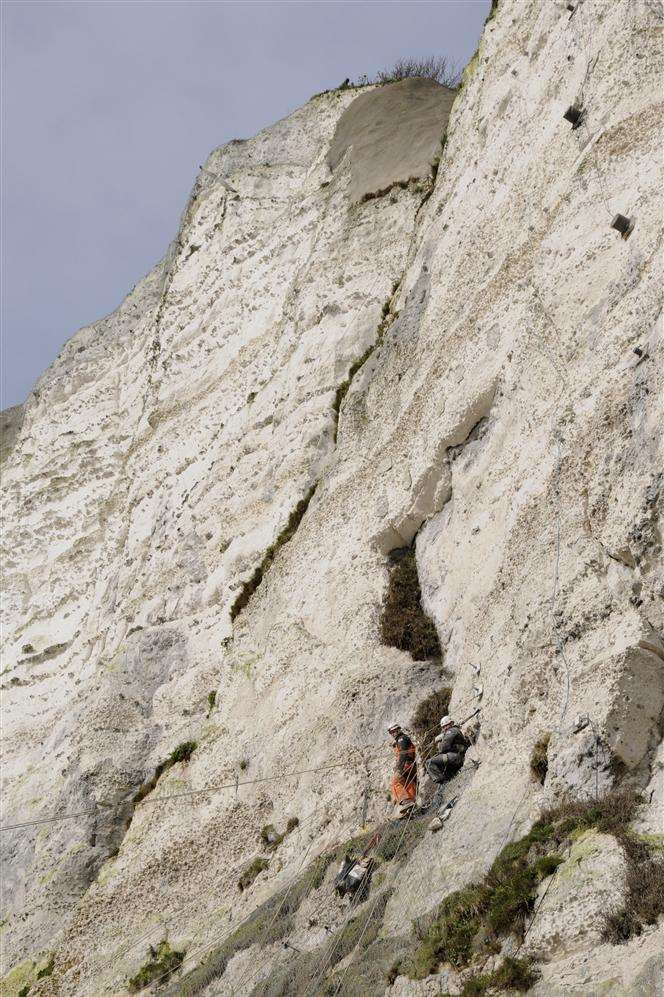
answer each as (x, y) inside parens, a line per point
(404, 780)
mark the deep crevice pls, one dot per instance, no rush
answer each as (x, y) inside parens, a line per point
(284, 537)
(388, 317)
(296, 516)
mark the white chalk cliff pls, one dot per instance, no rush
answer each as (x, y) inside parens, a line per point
(351, 347)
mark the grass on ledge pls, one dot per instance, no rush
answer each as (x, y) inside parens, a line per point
(470, 922)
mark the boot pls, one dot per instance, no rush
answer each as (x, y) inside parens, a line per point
(442, 815)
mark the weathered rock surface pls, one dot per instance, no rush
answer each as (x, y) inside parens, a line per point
(206, 483)
(636, 970)
(10, 426)
(570, 908)
(391, 134)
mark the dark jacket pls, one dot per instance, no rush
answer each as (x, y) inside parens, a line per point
(404, 752)
(453, 744)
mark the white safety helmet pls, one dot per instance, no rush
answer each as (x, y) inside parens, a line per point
(393, 726)
(446, 721)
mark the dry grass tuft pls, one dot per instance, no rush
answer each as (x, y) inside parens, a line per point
(644, 902)
(426, 719)
(539, 759)
(433, 67)
(470, 921)
(161, 963)
(250, 873)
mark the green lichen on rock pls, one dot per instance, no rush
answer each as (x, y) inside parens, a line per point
(47, 968)
(249, 874)
(469, 922)
(21, 980)
(182, 753)
(161, 963)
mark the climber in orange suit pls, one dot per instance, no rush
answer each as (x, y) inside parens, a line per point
(404, 779)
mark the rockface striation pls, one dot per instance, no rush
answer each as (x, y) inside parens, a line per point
(376, 328)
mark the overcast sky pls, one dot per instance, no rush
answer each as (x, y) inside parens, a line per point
(109, 107)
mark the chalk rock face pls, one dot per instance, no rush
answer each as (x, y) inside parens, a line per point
(391, 134)
(636, 970)
(571, 908)
(205, 486)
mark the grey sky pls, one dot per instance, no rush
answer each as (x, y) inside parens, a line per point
(109, 107)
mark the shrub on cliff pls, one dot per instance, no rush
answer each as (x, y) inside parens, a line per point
(471, 921)
(438, 68)
(404, 624)
(182, 753)
(162, 962)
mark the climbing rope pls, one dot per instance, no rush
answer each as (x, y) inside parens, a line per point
(244, 981)
(566, 696)
(205, 790)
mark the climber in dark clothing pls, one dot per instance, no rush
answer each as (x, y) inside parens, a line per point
(451, 746)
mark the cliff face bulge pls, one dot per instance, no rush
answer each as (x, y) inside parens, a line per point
(364, 337)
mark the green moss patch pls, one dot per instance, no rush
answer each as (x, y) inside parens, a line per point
(512, 974)
(162, 962)
(47, 969)
(250, 873)
(182, 753)
(270, 837)
(403, 623)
